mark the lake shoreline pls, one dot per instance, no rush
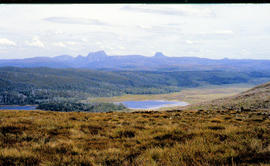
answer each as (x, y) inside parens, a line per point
(152, 104)
(19, 107)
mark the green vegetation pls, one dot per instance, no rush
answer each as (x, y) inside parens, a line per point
(79, 107)
(22, 86)
(138, 138)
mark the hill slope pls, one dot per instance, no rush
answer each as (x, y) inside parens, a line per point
(255, 98)
(138, 138)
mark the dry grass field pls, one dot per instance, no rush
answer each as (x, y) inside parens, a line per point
(190, 95)
(176, 137)
(253, 99)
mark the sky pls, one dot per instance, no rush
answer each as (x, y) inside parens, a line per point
(216, 31)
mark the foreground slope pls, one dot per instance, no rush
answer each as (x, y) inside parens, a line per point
(255, 98)
(138, 138)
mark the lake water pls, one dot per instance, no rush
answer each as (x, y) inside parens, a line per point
(152, 104)
(30, 107)
(146, 104)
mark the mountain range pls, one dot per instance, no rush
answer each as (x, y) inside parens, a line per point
(159, 62)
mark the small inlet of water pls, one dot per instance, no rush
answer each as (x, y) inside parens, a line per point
(152, 104)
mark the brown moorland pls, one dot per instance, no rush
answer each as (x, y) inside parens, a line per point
(173, 137)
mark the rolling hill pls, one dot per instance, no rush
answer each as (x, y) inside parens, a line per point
(253, 99)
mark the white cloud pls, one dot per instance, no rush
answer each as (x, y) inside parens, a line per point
(99, 43)
(224, 32)
(245, 52)
(121, 47)
(65, 44)
(147, 27)
(59, 44)
(71, 43)
(36, 42)
(75, 20)
(216, 32)
(192, 42)
(84, 40)
(170, 10)
(7, 42)
(174, 29)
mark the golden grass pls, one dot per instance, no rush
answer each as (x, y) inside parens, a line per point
(138, 138)
(190, 95)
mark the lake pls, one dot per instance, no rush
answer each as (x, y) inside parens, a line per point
(152, 104)
(28, 107)
(146, 104)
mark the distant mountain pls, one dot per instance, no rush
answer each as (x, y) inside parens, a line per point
(98, 56)
(255, 98)
(159, 55)
(159, 62)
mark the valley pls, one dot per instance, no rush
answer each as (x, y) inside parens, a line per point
(91, 130)
(199, 134)
(33, 86)
(134, 84)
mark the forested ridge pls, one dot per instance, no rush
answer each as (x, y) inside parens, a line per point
(80, 107)
(35, 85)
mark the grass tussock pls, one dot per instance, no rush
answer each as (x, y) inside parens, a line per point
(139, 138)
